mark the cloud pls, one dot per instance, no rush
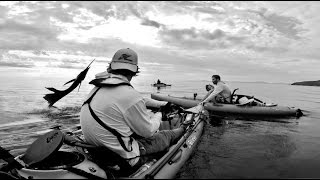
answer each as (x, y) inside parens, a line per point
(288, 26)
(224, 37)
(40, 12)
(40, 53)
(69, 66)
(3, 12)
(104, 9)
(16, 64)
(200, 39)
(291, 61)
(136, 11)
(148, 22)
(20, 36)
(267, 48)
(12, 60)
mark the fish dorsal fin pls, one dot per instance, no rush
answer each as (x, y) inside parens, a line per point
(69, 81)
(79, 86)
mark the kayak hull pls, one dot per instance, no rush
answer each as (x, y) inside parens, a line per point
(229, 109)
(171, 167)
(164, 168)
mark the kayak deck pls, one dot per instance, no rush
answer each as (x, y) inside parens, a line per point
(166, 167)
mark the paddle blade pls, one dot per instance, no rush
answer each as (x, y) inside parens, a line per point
(43, 147)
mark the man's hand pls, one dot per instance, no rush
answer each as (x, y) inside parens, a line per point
(165, 108)
(202, 103)
(169, 107)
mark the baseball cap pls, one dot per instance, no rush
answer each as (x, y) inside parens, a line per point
(125, 59)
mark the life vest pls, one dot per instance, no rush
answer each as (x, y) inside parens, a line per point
(109, 81)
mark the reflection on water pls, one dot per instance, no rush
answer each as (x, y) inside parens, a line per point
(16, 136)
(163, 87)
(232, 148)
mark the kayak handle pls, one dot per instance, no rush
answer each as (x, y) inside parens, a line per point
(176, 157)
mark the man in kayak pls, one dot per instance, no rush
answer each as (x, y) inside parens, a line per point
(115, 114)
(220, 93)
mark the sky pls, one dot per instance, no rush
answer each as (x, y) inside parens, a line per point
(246, 41)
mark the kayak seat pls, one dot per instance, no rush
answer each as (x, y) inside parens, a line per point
(116, 166)
(59, 159)
(110, 161)
(106, 159)
(232, 94)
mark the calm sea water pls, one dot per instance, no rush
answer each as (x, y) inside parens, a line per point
(255, 148)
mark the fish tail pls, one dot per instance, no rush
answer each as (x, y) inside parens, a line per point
(53, 89)
(50, 98)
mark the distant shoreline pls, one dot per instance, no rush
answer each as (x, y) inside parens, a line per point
(307, 83)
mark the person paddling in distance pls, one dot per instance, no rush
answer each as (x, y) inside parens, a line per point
(220, 93)
(115, 114)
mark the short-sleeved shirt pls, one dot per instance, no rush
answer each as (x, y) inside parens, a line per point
(123, 109)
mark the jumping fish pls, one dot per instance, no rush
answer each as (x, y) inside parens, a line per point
(58, 94)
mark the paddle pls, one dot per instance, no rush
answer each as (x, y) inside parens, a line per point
(196, 109)
(40, 149)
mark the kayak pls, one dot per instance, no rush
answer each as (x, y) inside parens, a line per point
(75, 162)
(160, 85)
(231, 109)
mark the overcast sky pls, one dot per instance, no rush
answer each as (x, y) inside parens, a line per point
(249, 41)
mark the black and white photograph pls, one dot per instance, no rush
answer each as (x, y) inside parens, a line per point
(159, 89)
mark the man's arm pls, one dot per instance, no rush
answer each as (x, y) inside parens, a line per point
(140, 120)
(154, 103)
(207, 94)
(213, 94)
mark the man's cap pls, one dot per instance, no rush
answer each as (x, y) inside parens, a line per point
(125, 59)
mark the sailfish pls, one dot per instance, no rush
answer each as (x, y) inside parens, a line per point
(58, 94)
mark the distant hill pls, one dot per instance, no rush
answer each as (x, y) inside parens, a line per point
(307, 83)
